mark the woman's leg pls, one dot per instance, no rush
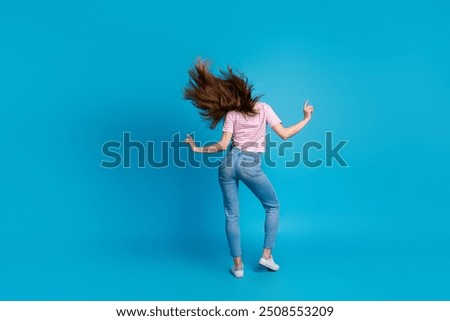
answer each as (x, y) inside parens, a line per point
(264, 191)
(229, 185)
(260, 185)
(231, 207)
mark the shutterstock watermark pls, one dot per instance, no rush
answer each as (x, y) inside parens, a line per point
(129, 153)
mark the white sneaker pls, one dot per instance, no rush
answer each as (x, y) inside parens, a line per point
(239, 273)
(269, 264)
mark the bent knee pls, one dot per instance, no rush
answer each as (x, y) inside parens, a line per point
(272, 206)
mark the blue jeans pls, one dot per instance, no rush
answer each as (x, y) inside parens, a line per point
(245, 166)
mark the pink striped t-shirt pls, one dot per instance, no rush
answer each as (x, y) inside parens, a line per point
(249, 132)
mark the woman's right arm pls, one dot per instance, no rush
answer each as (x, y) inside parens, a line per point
(286, 132)
(214, 148)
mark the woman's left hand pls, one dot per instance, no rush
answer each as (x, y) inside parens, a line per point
(190, 141)
(307, 110)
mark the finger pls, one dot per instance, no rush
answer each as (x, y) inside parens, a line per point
(306, 103)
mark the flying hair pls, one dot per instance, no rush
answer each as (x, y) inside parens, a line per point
(215, 96)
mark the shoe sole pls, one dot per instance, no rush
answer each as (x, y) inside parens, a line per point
(268, 267)
(237, 276)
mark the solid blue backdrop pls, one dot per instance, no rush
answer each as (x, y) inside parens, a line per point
(74, 75)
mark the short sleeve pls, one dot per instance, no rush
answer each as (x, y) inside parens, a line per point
(271, 117)
(228, 124)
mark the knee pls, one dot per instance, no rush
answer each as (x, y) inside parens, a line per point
(273, 206)
(231, 216)
(232, 220)
(277, 206)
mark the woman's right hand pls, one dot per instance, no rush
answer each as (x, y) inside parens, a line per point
(307, 110)
(190, 141)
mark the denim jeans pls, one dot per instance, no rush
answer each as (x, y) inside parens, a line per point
(245, 166)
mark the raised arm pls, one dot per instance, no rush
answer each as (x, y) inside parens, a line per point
(214, 148)
(286, 132)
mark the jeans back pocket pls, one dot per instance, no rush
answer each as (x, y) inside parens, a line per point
(251, 164)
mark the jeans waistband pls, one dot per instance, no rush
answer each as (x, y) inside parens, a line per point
(235, 149)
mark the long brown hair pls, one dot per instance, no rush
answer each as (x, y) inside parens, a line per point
(215, 96)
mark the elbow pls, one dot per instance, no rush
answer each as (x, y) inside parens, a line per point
(284, 133)
(284, 136)
(222, 147)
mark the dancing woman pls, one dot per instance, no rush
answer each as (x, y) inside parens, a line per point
(229, 97)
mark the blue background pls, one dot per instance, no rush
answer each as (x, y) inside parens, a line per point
(74, 75)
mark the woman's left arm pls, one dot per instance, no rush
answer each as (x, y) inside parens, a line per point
(214, 148)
